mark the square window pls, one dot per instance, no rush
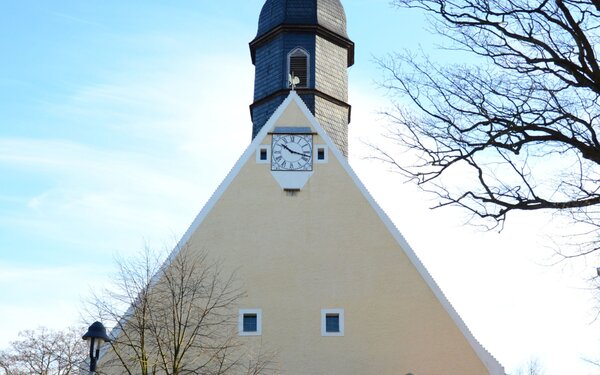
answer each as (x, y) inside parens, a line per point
(332, 322)
(249, 322)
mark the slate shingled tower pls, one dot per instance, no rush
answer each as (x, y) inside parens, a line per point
(307, 38)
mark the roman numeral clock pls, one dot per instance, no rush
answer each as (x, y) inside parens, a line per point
(292, 156)
(291, 152)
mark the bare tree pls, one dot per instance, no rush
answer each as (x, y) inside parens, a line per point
(8, 365)
(533, 367)
(517, 128)
(45, 352)
(595, 363)
(180, 318)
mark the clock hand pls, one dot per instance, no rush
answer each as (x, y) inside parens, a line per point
(287, 148)
(294, 152)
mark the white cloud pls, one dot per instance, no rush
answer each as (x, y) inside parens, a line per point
(42, 296)
(179, 137)
(95, 191)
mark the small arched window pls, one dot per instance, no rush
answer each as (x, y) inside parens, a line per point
(298, 65)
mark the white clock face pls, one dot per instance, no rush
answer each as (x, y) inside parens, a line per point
(292, 152)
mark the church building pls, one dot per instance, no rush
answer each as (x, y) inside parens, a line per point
(331, 285)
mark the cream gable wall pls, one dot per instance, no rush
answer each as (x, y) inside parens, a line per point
(331, 246)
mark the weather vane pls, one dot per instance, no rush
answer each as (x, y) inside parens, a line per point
(293, 81)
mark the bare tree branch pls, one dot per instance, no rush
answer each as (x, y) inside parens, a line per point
(45, 352)
(181, 317)
(515, 130)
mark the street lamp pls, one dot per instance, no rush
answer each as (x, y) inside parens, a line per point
(95, 335)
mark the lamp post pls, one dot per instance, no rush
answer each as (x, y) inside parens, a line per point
(96, 335)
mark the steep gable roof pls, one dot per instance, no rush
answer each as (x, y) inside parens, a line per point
(294, 103)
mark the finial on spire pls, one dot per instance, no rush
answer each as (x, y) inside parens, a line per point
(293, 81)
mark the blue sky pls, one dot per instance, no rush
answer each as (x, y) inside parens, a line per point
(115, 129)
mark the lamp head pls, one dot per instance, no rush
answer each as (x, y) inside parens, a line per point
(96, 332)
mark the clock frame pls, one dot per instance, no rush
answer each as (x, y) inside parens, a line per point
(292, 152)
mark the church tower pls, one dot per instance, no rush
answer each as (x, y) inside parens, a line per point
(330, 285)
(308, 39)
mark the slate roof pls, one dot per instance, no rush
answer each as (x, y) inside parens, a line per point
(326, 13)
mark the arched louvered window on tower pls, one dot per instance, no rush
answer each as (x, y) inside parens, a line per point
(298, 66)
